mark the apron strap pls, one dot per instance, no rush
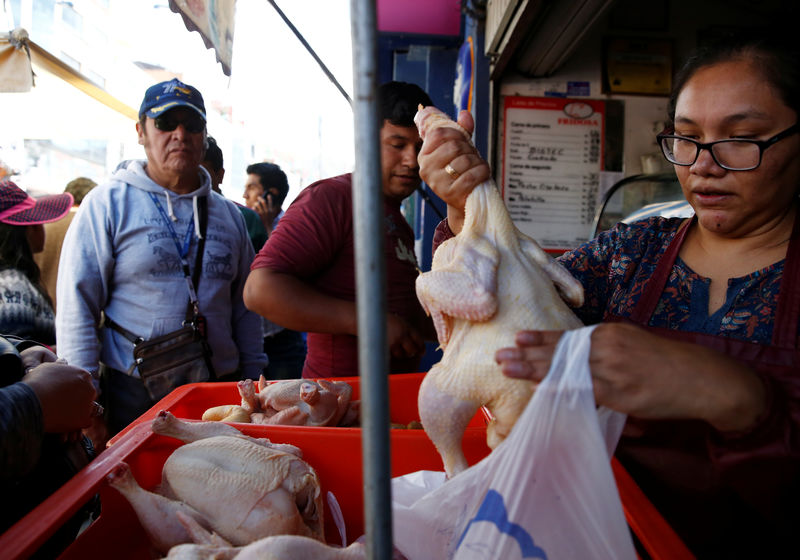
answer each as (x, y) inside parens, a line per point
(787, 313)
(652, 289)
(784, 333)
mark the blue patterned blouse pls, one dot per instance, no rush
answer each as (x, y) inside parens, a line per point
(614, 266)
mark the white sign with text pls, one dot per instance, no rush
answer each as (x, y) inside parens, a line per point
(552, 159)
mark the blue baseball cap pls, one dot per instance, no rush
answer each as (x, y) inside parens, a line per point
(167, 95)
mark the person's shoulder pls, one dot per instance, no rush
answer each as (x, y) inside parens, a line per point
(230, 211)
(252, 221)
(341, 185)
(656, 227)
(248, 213)
(223, 201)
(646, 235)
(14, 279)
(8, 273)
(112, 188)
(334, 193)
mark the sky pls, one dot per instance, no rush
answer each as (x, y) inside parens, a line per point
(292, 114)
(277, 105)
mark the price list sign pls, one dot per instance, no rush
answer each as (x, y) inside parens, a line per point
(552, 158)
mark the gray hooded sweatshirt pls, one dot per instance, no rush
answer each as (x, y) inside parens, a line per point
(120, 257)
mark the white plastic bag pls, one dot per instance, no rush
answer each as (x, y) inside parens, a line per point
(546, 492)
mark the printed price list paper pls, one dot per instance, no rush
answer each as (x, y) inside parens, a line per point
(552, 158)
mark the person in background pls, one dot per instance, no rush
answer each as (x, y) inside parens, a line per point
(25, 308)
(264, 192)
(285, 349)
(54, 233)
(44, 404)
(304, 277)
(214, 164)
(699, 317)
(131, 245)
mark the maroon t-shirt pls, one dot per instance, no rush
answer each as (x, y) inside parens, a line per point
(314, 242)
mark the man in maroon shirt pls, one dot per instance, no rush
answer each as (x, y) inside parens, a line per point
(304, 277)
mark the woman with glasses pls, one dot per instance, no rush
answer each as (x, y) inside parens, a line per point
(700, 316)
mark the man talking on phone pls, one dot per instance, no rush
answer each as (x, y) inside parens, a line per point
(265, 190)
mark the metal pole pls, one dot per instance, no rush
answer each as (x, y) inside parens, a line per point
(371, 284)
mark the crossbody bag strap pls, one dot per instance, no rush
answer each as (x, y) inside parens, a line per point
(107, 322)
(192, 309)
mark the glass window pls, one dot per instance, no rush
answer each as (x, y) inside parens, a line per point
(71, 18)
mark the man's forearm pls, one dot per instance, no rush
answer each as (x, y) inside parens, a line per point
(296, 305)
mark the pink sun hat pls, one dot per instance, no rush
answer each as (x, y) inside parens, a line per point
(17, 208)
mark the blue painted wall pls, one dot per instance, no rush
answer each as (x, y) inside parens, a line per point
(430, 62)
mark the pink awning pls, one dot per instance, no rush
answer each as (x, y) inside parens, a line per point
(429, 17)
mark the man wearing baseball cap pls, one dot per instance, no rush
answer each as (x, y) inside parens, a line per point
(132, 248)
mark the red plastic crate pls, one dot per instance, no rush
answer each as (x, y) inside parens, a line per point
(117, 534)
(192, 400)
(334, 452)
(337, 459)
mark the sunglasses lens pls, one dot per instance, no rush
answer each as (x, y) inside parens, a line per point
(165, 123)
(168, 123)
(194, 125)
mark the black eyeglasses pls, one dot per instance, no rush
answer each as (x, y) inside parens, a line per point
(734, 154)
(168, 122)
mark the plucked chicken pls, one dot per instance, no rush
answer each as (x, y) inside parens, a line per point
(485, 284)
(210, 546)
(297, 402)
(237, 487)
(278, 547)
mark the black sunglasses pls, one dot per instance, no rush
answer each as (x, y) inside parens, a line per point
(169, 122)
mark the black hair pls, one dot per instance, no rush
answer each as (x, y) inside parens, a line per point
(774, 55)
(398, 102)
(271, 176)
(213, 154)
(15, 252)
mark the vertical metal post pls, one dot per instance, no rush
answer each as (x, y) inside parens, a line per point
(371, 284)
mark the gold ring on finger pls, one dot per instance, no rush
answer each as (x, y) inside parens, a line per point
(452, 172)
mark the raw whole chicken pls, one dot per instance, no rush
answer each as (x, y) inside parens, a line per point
(485, 284)
(240, 488)
(297, 402)
(278, 547)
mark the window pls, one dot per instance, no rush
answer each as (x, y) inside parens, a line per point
(70, 17)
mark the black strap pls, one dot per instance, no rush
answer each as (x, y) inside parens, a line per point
(202, 206)
(192, 311)
(191, 308)
(106, 321)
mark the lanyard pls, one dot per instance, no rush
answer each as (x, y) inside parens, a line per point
(187, 238)
(182, 251)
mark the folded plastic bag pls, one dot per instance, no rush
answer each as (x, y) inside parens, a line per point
(546, 492)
